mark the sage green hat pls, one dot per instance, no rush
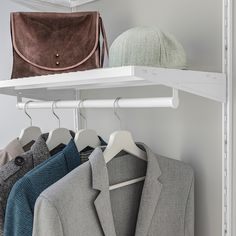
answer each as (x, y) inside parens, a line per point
(147, 46)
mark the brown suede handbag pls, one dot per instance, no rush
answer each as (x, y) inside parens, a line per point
(50, 43)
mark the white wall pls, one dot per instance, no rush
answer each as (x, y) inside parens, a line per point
(192, 133)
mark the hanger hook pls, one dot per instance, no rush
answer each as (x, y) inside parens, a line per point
(54, 113)
(81, 114)
(25, 110)
(115, 106)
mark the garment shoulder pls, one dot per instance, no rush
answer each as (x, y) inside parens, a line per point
(78, 180)
(44, 200)
(14, 166)
(176, 168)
(12, 150)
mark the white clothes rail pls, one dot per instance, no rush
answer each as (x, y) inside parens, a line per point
(171, 102)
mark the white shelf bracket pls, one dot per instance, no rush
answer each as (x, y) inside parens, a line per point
(19, 97)
(175, 99)
(77, 112)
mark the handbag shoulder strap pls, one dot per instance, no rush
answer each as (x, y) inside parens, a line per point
(104, 43)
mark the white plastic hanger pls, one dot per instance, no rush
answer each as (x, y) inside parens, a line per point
(58, 136)
(122, 141)
(30, 133)
(86, 137)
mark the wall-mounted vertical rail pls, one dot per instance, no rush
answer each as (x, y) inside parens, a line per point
(77, 121)
(227, 119)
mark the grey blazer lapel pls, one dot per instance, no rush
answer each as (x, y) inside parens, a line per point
(100, 182)
(149, 199)
(104, 212)
(150, 195)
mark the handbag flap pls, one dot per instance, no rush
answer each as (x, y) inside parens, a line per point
(55, 41)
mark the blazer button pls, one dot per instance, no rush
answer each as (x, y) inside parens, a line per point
(57, 63)
(57, 55)
(19, 161)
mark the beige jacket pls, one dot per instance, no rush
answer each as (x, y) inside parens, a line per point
(11, 151)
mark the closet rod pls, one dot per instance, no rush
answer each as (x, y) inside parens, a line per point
(171, 102)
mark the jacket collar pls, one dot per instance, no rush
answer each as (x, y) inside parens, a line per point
(103, 143)
(40, 151)
(100, 182)
(71, 155)
(150, 194)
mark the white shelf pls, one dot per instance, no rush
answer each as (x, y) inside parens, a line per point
(53, 5)
(50, 87)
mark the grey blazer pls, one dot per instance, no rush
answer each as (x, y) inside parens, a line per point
(81, 204)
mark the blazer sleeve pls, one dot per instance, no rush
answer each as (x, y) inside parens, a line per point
(19, 215)
(46, 219)
(189, 212)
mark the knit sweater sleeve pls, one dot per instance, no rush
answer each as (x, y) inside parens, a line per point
(46, 219)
